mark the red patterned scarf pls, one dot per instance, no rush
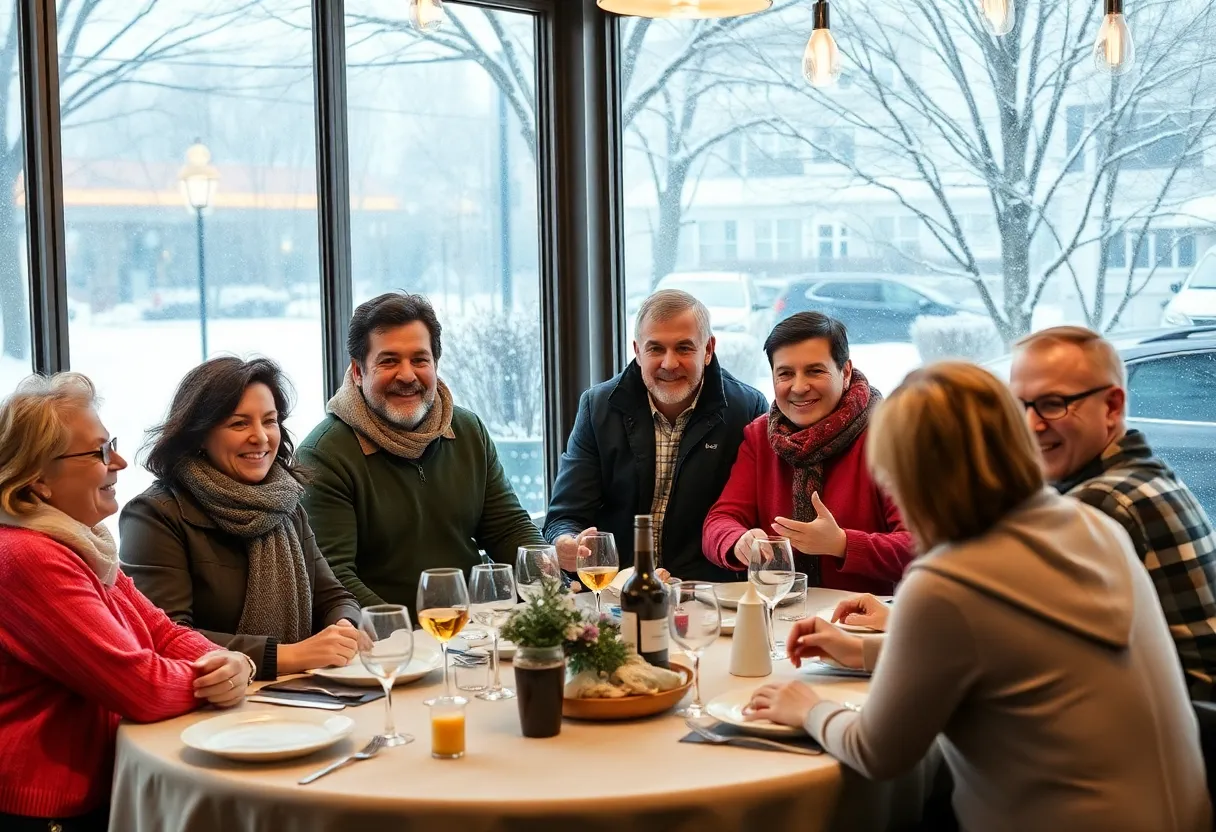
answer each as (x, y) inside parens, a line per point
(808, 449)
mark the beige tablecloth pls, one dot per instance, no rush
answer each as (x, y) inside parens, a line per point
(593, 776)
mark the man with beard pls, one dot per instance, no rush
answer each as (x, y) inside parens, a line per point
(400, 478)
(801, 472)
(658, 439)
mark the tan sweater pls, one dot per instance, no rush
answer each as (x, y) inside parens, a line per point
(1040, 654)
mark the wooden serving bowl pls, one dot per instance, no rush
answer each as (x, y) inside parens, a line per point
(629, 707)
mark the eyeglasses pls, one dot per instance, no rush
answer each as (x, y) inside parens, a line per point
(105, 453)
(1055, 407)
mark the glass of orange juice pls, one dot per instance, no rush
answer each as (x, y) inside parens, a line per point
(447, 728)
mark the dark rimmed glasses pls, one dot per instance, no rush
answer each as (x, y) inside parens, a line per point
(105, 453)
(1053, 407)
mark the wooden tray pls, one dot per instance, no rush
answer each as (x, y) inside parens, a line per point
(628, 707)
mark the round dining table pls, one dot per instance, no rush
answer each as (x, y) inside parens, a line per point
(618, 776)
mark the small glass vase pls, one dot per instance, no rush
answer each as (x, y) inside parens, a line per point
(540, 683)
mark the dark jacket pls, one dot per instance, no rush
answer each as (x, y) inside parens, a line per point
(607, 472)
(197, 573)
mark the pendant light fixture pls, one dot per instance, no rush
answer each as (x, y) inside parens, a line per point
(821, 61)
(426, 15)
(998, 16)
(686, 9)
(1114, 52)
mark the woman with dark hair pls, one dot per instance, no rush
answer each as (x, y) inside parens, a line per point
(220, 541)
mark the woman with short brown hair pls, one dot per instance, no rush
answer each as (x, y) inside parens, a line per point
(1026, 634)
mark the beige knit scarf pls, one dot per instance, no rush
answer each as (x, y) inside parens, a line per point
(349, 405)
(95, 546)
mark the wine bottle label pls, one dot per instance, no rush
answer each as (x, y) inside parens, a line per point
(654, 635)
(629, 629)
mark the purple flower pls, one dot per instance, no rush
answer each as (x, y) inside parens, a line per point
(590, 632)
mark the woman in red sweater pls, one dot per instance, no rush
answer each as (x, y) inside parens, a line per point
(80, 648)
(801, 470)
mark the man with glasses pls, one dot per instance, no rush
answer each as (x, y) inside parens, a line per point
(1072, 383)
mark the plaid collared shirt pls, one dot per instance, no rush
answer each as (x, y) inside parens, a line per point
(667, 438)
(1172, 536)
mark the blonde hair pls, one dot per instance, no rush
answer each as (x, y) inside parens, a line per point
(665, 304)
(34, 429)
(952, 446)
(1100, 352)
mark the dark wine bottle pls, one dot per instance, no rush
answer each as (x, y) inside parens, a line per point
(644, 598)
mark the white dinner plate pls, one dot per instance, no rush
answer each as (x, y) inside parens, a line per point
(258, 736)
(483, 647)
(729, 595)
(728, 625)
(826, 615)
(425, 660)
(729, 707)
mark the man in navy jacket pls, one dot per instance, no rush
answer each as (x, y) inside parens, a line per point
(659, 438)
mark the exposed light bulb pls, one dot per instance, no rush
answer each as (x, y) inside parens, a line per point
(998, 16)
(821, 61)
(1114, 52)
(427, 15)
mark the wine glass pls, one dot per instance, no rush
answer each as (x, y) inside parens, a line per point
(532, 565)
(443, 610)
(771, 571)
(695, 620)
(386, 646)
(492, 597)
(598, 563)
(795, 610)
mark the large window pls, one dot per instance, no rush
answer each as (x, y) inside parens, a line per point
(443, 147)
(15, 358)
(142, 85)
(913, 170)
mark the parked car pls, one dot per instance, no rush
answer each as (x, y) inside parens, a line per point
(876, 309)
(1171, 385)
(230, 302)
(1194, 300)
(732, 299)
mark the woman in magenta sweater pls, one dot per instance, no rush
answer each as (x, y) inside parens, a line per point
(80, 648)
(801, 470)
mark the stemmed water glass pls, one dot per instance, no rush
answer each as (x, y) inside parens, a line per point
(386, 646)
(694, 619)
(443, 610)
(771, 571)
(533, 564)
(492, 597)
(597, 563)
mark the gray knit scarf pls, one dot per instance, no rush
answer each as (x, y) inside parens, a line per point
(349, 405)
(278, 597)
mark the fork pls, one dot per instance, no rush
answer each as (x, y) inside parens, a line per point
(370, 750)
(719, 739)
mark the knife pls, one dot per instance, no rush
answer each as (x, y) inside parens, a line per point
(296, 703)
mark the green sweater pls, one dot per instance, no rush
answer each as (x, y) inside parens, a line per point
(381, 519)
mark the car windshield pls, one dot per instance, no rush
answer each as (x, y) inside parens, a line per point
(1204, 276)
(722, 293)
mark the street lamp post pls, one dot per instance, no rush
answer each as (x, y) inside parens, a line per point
(198, 180)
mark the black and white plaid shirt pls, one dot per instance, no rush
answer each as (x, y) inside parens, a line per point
(667, 437)
(1172, 536)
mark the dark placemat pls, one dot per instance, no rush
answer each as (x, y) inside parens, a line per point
(312, 689)
(741, 739)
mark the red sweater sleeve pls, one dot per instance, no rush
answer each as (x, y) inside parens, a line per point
(55, 619)
(736, 510)
(880, 555)
(173, 641)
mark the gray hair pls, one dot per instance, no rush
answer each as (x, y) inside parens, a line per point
(665, 304)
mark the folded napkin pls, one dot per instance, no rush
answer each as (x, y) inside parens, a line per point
(743, 740)
(314, 689)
